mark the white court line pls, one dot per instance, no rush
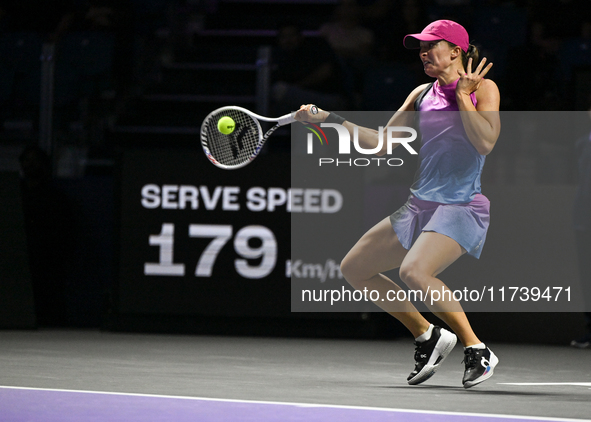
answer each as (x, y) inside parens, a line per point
(584, 384)
(295, 404)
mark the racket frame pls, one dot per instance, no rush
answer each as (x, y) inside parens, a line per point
(280, 121)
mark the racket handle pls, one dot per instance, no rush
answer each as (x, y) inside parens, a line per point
(289, 118)
(286, 120)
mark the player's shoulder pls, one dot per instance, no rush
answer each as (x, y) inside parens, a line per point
(412, 97)
(417, 91)
(488, 86)
(489, 83)
(488, 91)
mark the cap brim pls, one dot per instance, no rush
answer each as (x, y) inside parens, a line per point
(412, 41)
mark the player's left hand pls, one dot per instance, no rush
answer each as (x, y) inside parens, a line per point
(470, 81)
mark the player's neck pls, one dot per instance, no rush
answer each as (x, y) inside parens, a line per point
(449, 76)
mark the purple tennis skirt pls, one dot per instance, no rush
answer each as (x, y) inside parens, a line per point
(467, 224)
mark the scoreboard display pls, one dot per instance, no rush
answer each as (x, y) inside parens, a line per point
(198, 240)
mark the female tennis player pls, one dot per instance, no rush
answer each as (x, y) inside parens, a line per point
(446, 215)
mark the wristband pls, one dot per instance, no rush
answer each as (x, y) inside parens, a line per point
(334, 118)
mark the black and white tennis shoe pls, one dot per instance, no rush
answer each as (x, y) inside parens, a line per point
(480, 365)
(430, 354)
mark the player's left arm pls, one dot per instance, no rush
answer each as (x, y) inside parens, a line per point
(482, 123)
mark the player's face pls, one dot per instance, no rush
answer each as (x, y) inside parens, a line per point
(436, 56)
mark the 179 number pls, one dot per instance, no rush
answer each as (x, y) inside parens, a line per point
(220, 235)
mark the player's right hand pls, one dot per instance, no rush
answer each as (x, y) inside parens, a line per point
(304, 114)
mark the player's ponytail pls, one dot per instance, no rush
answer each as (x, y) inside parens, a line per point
(473, 54)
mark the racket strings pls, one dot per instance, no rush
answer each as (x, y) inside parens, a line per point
(237, 147)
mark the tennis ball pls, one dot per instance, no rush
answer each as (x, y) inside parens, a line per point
(226, 125)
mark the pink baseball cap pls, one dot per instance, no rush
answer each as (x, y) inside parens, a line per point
(440, 30)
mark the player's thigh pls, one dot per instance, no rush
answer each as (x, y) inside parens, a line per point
(377, 251)
(430, 254)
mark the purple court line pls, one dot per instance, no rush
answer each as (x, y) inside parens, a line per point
(18, 404)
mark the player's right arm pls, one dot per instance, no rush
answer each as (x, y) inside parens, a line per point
(369, 138)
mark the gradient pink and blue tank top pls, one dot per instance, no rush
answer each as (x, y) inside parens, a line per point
(449, 165)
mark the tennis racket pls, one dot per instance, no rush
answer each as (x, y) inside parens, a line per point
(240, 147)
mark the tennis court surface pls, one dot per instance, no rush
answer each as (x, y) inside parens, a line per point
(53, 375)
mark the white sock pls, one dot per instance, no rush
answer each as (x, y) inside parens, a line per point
(476, 346)
(426, 335)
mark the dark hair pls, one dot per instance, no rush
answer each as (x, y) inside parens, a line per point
(472, 53)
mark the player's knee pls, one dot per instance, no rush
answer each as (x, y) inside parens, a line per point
(412, 276)
(350, 272)
(347, 268)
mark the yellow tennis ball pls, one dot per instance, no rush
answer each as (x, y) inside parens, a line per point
(226, 125)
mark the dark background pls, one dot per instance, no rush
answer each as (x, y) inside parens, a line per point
(134, 79)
